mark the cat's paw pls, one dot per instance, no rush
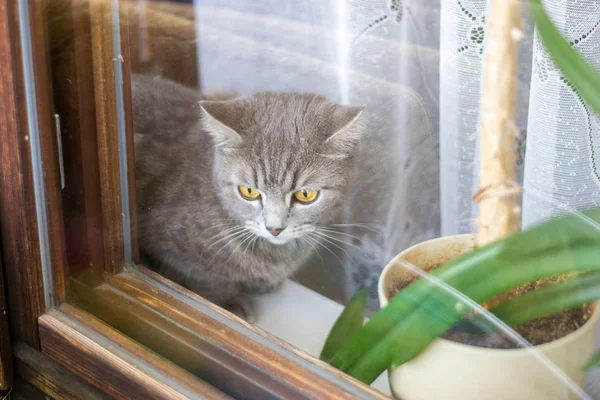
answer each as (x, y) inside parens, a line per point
(243, 307)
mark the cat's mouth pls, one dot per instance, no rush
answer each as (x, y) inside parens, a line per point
(277, 240)
(283, 237)
(280, 239)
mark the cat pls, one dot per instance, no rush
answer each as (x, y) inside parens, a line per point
(231, 193)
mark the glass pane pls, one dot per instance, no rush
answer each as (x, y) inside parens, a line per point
(281, 156)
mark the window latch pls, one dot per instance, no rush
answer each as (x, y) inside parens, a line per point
(61, 165)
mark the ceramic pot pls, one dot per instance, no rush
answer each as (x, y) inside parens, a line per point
(450, 370)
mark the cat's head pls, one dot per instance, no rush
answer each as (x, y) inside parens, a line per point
(282, 160)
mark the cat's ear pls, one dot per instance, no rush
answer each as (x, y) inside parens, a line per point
(221, 120)
(345, 131)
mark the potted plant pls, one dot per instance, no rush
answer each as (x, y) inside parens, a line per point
(499, 269)
(471, 361)
(403, 335)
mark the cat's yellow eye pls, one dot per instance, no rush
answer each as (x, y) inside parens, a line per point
(306, 195)
(248, 192)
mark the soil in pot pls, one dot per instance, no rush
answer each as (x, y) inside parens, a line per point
(536, 332)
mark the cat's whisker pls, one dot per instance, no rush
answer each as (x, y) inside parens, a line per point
(328, 249)
(224, 238)
(340, 233)
(246, 240)
(252, 239)
(242, 240)
(223, 235)
(226, 229)
(308, 240)
(372, 227)
(318, 232)
(251, 244)
(233, 237)
(221, 230)
(334, 244)
(227, 234)
(363, 224)
(217, 226)
(256, 238)
(227, 224)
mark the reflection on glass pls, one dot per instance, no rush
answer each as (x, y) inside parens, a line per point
(285, 150)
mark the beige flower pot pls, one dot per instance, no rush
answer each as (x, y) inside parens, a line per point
(449, 370)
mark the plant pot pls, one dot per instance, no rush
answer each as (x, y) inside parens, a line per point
(450, 370)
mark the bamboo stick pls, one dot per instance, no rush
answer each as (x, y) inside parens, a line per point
(499, 212)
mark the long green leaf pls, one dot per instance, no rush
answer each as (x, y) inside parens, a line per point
(422, 312)
(539, 303)
(550, 300)
(348, 323)
(582, 75)
(593, 362)
(442, 309)
(399, 307)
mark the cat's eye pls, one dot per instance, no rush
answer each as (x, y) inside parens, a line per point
(306, 196)
(248, 192)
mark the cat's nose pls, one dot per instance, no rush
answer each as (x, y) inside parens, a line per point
(274, 231)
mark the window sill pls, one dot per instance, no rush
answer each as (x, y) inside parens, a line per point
(295, 310)
(202, 346)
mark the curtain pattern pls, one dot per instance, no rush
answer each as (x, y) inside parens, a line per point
(563, 146)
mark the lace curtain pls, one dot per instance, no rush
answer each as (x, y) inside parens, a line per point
(559, 131)
(417, 66)
(462, 43)
(563, 145)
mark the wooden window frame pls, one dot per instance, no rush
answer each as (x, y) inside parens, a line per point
(233, 356)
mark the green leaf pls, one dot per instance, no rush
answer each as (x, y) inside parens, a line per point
(582, 75)
(348, 323)
(593, 362)
(427, 308)
(550, 300)
(543, 302)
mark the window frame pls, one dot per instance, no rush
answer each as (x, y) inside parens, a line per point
(252, 361)
(6, 367)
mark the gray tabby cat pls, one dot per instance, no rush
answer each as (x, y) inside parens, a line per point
(230, 193)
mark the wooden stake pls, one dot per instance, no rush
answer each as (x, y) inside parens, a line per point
(499, 213)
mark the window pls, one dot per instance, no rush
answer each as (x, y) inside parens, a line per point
(192, 190)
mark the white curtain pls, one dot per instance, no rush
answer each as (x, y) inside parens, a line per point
(384, 54)
(462, 46)
(417, 66)
(558, 135)
(563, 146)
